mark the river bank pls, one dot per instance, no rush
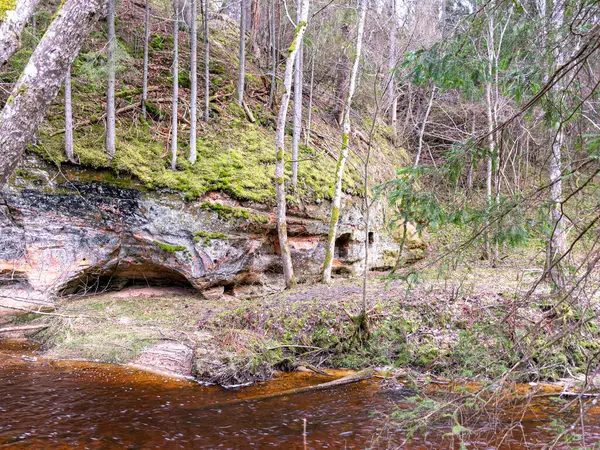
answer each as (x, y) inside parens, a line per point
(460, 328)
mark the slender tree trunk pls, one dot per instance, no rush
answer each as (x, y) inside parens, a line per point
(194, 79)
(42, 78)
(339, 173)
(68, 118)
(490, 164)
(146, 46)
(175, 101)
(273, 36)
(255, 29)
(242, 57)
(422, 131)
(392, 59)
(310, 97)
(297, 105)
(110, 91)
(557, 244)
(288, 270)
(206, 64)
(12, 27)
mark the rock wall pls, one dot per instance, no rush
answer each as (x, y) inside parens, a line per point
(66, 232)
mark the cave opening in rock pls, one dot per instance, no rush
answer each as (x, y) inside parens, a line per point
(96, 281)
(371, 238)
(342, 246)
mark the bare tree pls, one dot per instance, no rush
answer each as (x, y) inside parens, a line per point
(110, 90)
(339, 172)
(297, 105)
(286, 258)
(392, 58)
(310, 97)
(175, 72)
(68, 118)
(194, 79)
(12, 27)
(42, 78)
(146, 46)
(273, 43)
(242, 56)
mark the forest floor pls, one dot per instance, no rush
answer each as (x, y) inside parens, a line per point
(470, 322)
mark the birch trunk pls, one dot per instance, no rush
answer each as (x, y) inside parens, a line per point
(12, 27)
(174, 103)
(286, 258)
(68, 118)
(297, 105)
(491, 150)
(242, 57)
(392, 57)
(206, 65)
(273, 36)
(339, 172)
(310, 97)
(146, 46)
(42, 78)
(110, 91)
(422, 131)
(194, 79)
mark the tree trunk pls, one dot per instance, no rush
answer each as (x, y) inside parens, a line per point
(255, 29)
(206, 64)
(12, 27)
(174, 103)
(242, 57)
(146, 46)
(297, 105)
(339, 172)
(194, 79)
(310, 97)
(273, 36)
(422, 131)
(286, 258)
(110, 91)
(392, 102)
(557, 243)
(42, 78)
(68, 118)
(490, 164)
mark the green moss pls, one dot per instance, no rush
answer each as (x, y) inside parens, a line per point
(5, 7)
(171, 248)
(207, 237)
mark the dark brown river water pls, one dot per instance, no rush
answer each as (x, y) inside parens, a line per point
(64, 405)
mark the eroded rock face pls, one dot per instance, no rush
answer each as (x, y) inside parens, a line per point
(61, 235)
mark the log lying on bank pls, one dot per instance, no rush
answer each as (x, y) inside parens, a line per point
(23, 328)
(349, 379)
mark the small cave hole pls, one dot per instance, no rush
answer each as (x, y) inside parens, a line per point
(371, 238)
(342, 246)
(229, 289)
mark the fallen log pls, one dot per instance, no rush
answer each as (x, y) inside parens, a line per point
(23, 328)
(348, 379)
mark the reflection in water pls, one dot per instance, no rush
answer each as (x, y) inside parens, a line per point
(46, 404)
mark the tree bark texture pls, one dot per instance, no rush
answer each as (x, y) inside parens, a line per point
(111, 139)
(194, 79)
(175, 100)
(42, 78)
(288, 270)
(339, 172)
(12, 27)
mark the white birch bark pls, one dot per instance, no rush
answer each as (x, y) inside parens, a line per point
(206, 64)
(242, 56)
(12, 27)
(194, 80)
(423, 126)
(146, 47)
(42, 78)
(297, 105)
(175, 72)
(286, 258)
(110, 90)
(68, 118)
(339, 172)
